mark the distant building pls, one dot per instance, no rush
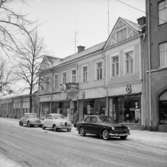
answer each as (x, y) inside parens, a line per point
(103, 79)
(156, 65)
(14, 106)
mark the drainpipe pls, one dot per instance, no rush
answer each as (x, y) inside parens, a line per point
(149, 66)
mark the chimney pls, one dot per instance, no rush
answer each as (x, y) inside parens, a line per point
(80, 48)
(141, 21)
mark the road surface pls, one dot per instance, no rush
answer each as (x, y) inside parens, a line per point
(34, 147)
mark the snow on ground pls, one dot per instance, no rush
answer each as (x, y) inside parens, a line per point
(6, 162)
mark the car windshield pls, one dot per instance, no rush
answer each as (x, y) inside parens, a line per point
(106, 119)
(31, 115)
(59, 116)
(56, 116)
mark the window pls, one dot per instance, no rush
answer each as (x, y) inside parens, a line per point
(64, 77)
(129, 62)
(56, 81)
(163, 54)
(121, 35)
(99, 71)
(85, 74)
(115, 66)
(162, 8)
(74, 76)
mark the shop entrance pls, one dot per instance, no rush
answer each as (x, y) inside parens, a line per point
(163, 108)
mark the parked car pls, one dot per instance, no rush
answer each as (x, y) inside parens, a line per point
(57, 121)
(30, 119)
(103, 127)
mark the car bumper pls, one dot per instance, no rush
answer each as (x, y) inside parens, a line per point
(36, 123)
(119, 134)
(63, 127)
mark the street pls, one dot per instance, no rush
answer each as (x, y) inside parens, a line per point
(34, 147)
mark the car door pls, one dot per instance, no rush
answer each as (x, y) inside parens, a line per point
(93, 127)
(48, 121)
(86, 124)
(24, 119)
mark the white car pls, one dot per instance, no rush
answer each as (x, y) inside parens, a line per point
(30, 119)
(56, 121)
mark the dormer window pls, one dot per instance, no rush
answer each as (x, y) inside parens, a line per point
(121, 34)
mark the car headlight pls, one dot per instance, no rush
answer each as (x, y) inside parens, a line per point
(113, 128)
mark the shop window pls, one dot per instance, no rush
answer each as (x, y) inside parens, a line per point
(162, 9)
(163, 54)
(127, 109)
(163, 108)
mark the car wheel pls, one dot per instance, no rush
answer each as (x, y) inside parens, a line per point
(105, 134)
(28, 124)
(123, 137)
(69, 130)
(20, 123)
(54, 127)
(43, 127)
(82, 131)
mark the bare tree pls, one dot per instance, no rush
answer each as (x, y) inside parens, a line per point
(5, 78)
(29, 59)
(19, 38)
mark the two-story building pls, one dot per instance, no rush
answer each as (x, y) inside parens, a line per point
(103, 79)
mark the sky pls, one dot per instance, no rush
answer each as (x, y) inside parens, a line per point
(59, 20)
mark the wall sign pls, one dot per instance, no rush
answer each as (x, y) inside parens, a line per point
(128, 88)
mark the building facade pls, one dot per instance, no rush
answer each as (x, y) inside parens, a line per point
(103, 79)
(16, 105)
(156, 64)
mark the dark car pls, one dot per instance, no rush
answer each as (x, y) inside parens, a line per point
(30, 119)
(103, 127)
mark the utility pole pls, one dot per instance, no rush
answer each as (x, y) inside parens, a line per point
(108, 17)
(75, 41)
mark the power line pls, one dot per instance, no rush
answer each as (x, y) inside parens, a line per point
(131, 6)
(140, 10)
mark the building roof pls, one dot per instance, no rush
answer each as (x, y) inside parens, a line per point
(91, 49)
(132, 24)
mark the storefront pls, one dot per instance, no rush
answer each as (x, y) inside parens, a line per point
(126, 108)
(94, 106)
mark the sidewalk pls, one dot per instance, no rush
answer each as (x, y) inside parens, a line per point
(5, 162)
(144, 136)
(150, 137)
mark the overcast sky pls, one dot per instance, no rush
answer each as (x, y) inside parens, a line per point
(59, 19)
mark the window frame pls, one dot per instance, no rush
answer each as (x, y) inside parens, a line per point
(56, 86)
(97, 73)
(73, 76)
(125, 61)
(65, 77)
(83, 76)
(164, 21)
(111, 65)
(162, 66)
(119, 30)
